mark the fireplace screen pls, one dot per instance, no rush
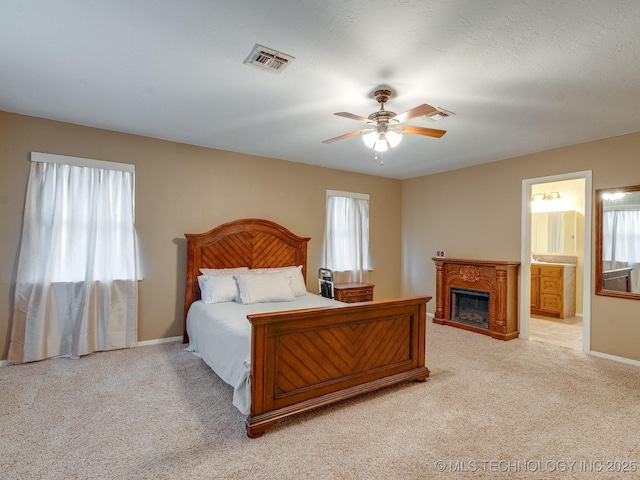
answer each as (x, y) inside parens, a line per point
(470, 307)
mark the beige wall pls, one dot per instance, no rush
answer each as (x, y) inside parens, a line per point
(472, 212)
(187, 189)
(475, 212)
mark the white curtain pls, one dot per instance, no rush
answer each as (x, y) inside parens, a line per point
(76, 287)
(621, 243)
(346, 243)
(621, 237)
(555, 239)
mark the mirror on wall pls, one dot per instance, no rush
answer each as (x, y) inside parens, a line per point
(618, 242)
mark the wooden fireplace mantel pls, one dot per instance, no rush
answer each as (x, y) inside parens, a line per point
(498, 278)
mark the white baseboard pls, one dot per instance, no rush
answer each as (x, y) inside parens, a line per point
(158, 341)
(4, 363)
(615, 358)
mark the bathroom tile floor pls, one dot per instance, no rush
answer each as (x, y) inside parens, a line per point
(565, 332)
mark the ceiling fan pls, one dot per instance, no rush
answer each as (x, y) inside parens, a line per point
(385, 127)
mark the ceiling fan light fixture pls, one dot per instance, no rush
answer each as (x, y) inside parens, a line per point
(381, 144)
(384, 127)
(370, 139)
(393, 138)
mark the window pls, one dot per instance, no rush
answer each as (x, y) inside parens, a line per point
(347, 234)
(76, 286)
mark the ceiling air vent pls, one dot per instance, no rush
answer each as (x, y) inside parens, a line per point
(439, 114)
(268, 59)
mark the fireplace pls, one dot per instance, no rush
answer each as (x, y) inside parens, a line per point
(470, 307)
(478, 295)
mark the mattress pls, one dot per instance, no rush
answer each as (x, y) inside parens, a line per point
(220, 334)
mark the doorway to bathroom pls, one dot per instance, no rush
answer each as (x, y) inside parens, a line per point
(556, 254)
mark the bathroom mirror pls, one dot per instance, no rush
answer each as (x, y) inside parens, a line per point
(618, 242)
(554, 232)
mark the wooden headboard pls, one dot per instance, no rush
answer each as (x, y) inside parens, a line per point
(250, 242)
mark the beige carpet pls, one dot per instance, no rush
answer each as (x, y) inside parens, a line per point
(490, 409)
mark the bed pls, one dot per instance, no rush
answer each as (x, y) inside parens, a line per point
(299, 355)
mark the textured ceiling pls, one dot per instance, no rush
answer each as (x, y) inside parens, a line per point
(521, 76)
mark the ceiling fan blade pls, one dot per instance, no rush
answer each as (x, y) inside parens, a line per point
(428, 132)
(347, 135)
(353, 117)
(415, 112)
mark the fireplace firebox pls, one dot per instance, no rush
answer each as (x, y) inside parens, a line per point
(478, 295)
(470, 307)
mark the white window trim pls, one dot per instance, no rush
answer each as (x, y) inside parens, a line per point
(81, 162)
(338, 193)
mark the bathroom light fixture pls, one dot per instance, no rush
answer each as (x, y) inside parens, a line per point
(545, 196)
(550, 202)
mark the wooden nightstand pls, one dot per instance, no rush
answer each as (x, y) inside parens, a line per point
(353, 292)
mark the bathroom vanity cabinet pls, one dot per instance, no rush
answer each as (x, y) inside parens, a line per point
(553, 289)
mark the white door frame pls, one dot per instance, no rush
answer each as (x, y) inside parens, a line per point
(525, 253)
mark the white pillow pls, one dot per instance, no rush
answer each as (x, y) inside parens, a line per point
(217, 288)
(297, 280)
(274, 287)
(223, 271)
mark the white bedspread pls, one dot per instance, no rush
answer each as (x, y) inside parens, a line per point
(220, 334)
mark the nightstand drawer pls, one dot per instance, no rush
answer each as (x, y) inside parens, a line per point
(353, 296)
(353, 292)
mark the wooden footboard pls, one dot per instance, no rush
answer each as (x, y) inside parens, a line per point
(306, 359)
